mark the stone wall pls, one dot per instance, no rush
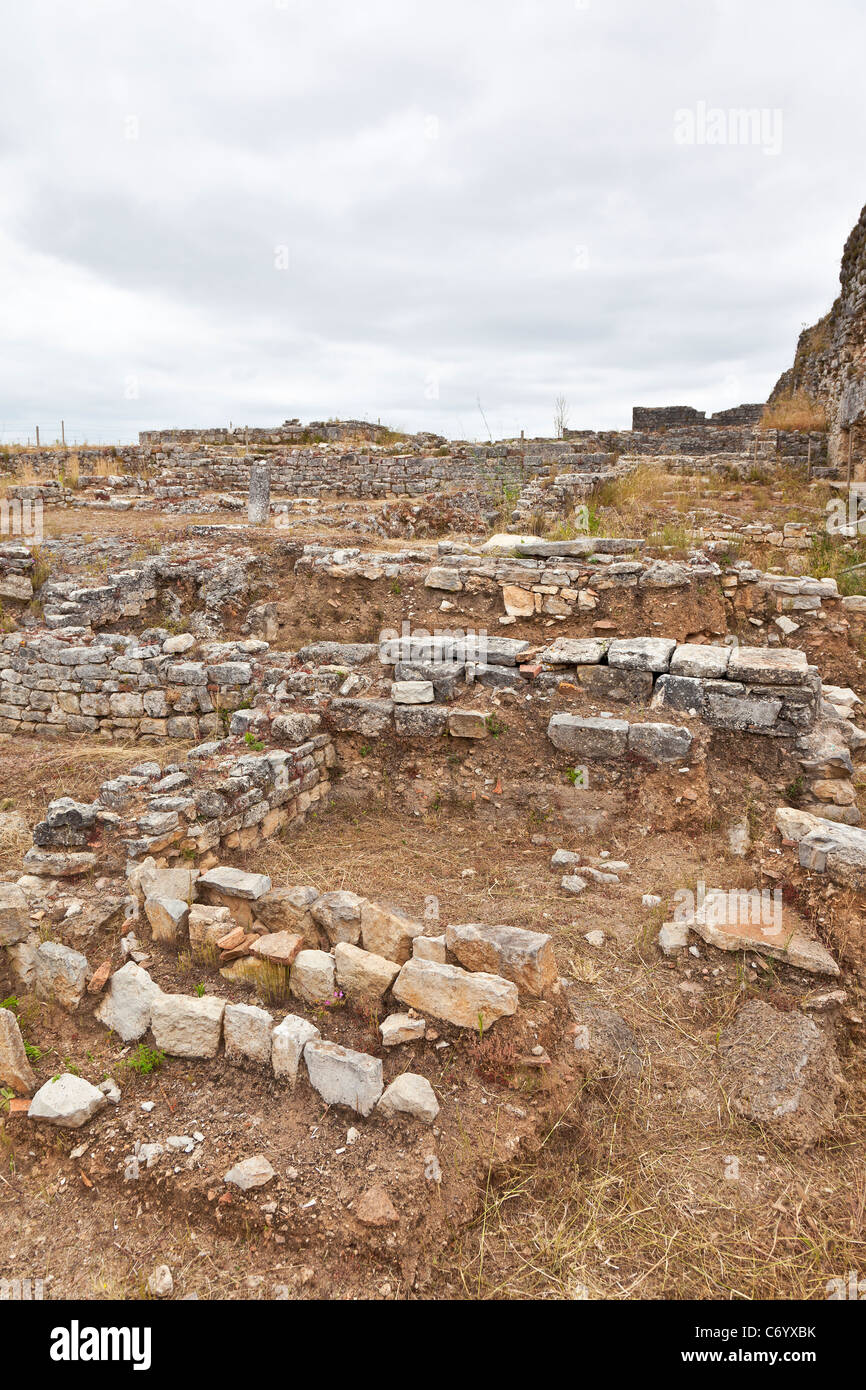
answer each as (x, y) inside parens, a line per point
(115, 685)
(216, 799)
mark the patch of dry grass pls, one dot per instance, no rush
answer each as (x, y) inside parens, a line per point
(794, 411)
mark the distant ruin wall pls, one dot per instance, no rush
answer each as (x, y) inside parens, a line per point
(668, 417)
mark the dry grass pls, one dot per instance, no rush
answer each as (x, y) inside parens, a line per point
(794, 411)
(653, 1215)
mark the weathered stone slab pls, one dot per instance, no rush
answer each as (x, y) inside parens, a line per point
(168, 918)
(588, 738)
(259, 501)
(127, 1004)
(187, 1026)
(575, 651)
(420, 721)
(660, 743)
(388, 932)
(525, 957)
(412, 692)
(506, 544)
(740, 920)
(678, 692)
(280, 947)
(288, 1041)
(342, 1076)
(411, 1095)
(401, 1028)
(312, 976)
(288, 909)
(207, 925)
(60, 975)
(430, 948)
(67, 1101)
(780, 1070)
(368, 717)
(457, 996)
(609, 683)
(338, 653)
(339, 913)
(15, 1069)
(54, 864)
(704, 662)
(14, 914)
(641, 653)
(236, 883)
(518, 602)
(768, 665)
(364, 976)
(467, 723)
(247, 1031)
(737, 713)
(441, 577)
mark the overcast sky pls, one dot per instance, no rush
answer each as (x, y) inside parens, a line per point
(247, 210)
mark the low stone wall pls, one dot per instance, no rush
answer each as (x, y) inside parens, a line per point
(324, 951)
(217, 799)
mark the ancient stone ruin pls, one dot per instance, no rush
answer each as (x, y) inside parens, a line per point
(407, 838)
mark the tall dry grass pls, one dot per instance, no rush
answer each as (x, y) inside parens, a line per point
(794, 411)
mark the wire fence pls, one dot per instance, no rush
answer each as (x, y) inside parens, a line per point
(73, 433)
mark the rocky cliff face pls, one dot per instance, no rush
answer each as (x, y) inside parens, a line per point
(830, 362)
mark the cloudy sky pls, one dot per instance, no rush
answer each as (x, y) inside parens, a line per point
(218, 211)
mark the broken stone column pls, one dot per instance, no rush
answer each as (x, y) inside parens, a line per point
(259, 505)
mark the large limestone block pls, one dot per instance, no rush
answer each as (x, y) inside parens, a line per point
(454, 995)
(128, 1002)
(15, 1070)
(362, 975)
(388, 932)
(247, 1031)
(660, 743)
(288, 1041)
(575, 651)
(288, 909)
(344, 1077)
(67, 1101)
(187, 1026)
(60, 975)
(588, 738)
(641, 653)
(525, 957)
(167, 917)
(14, 916)
(236, 883)
(340, 915)
(768, 665)
(312, 976)
(702, 662)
